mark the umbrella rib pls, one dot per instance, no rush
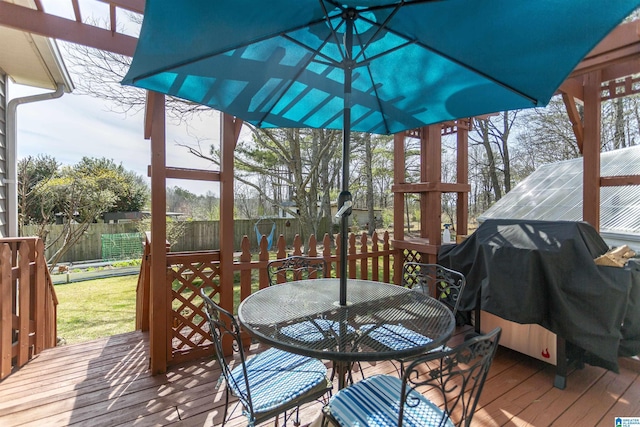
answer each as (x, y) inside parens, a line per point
(377, 97)
(407, 3)
(208, 55)
(378, 31)
(474, 70)
(479, 72)
(330, 61)
(403, 3)
(370, 59)
(334, 31)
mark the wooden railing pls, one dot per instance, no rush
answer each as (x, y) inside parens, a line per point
(27, 303)
(189, 272)
(144, 283)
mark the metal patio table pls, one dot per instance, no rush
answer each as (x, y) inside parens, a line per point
(304, 317)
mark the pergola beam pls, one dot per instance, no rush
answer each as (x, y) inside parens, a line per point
(47, 25)
(621, 45)
(136, 6)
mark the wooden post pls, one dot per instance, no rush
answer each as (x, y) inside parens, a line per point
(228, 140)
(6, 315)
(591, 150)
(159, 306)
(462, 177)
(398, 203)
(431, 211)
(24, 304)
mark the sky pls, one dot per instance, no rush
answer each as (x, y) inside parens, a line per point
(75, 126)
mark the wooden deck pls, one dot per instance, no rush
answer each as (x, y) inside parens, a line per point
(106, 383)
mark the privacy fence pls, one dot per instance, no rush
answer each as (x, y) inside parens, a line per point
(107, 241)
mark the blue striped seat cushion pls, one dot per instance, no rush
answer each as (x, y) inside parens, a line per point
(395, 337)
(314, 330)
(277, 376)
(375, 402)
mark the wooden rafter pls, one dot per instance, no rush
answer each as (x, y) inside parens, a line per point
(76, 10)
(616, 56)
(616, 59)
(574, 118)
(37, 21)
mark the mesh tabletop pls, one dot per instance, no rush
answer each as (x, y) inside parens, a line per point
(305, 317)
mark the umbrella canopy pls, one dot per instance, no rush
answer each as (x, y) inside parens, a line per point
(377, 66)
(280, 63)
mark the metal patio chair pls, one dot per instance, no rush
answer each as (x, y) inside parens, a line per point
(296, 267)
(452, 379)
(440, 282)
(271, 382)
(432, 279)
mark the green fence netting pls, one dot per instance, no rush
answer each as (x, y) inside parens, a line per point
(121, 246)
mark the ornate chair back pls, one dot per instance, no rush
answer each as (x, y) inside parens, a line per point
(441, 389)
(223, 326)
(458, 375)
(440, 282)
(296, 268)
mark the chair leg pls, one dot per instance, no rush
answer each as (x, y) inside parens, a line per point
(297, 421)
(226, 405)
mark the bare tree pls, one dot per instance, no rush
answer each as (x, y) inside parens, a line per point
(102, 73)
(493, 134)
(286, 165)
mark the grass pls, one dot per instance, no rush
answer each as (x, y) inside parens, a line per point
(96, 308)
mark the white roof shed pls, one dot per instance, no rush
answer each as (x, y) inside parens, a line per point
(554, 192)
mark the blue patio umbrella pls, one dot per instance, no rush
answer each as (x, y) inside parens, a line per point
(378, 66)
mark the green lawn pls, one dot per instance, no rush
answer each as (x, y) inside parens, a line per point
(100, 308)
(96, 308)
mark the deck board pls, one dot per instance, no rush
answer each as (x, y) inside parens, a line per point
(106, 383)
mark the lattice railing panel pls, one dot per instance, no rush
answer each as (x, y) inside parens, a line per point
(412, 256)
(189, 272)
(189, 325)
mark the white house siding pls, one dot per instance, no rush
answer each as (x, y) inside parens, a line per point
(3, 153)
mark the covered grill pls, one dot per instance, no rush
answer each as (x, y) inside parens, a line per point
(543, 272)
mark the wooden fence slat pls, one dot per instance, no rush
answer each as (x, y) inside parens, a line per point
(39, 299)
(326, 251)
(297, 245)
(6, 315)
(375, 261)
(143, 289)
(245, 275)
(51, 308)
(281, 248)
(263, 275)
(364, 261)
(24, 299)
(312, 248)
(351, 250)
(386, 247)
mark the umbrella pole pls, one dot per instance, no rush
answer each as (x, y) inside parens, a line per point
(346, 140)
